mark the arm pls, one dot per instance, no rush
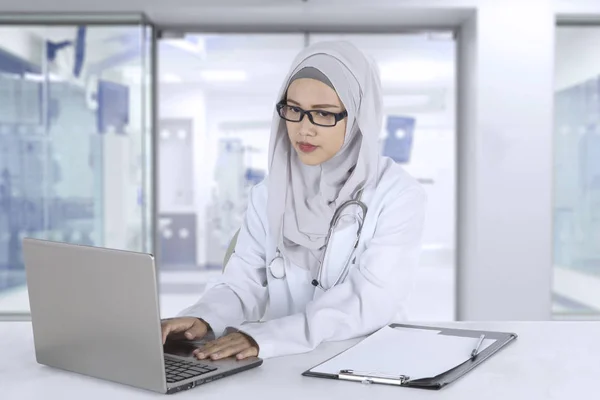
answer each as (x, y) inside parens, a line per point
(239, 294)
(370, 297)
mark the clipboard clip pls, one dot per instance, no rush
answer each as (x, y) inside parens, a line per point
(369, 377)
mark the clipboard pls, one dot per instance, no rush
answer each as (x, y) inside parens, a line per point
(502, 339)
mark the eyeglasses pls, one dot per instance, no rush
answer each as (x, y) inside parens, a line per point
(317, 117)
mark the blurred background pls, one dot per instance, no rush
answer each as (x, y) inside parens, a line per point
(116, 133)
(217, 96)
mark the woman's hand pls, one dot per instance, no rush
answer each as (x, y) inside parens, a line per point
(190, 328)
(234, 344)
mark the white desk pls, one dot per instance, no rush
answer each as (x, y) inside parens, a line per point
(549, 360)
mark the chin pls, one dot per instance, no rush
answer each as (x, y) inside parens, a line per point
(310, 163)
(309, 160)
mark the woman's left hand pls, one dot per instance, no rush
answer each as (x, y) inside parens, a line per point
(234, 344)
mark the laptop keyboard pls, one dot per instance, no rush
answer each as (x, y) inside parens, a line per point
(178, 370)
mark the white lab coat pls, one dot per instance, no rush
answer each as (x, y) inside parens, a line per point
(289, 316)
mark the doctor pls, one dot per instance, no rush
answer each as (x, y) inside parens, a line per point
(331, 238)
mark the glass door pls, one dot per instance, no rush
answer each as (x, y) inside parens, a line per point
(75, 133)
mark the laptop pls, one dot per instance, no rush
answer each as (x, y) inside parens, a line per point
(95, 311)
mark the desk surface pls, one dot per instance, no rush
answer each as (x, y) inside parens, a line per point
(549, 360)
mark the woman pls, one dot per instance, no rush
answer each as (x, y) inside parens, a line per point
(273, 298)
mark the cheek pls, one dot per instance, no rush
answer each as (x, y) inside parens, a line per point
(291, 129)
(332, 141)
(337, 138)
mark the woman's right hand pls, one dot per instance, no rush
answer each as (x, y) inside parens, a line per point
(190, 328)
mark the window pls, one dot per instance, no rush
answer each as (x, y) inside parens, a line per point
(74, 140)
(576, 289)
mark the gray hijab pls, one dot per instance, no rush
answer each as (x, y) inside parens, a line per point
(302, 199)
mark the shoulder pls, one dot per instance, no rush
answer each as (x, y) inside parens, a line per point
(398, 204)
(395, 185)
(260, 192)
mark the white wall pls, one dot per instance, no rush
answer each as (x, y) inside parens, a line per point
(578, 55)
(582, 10)
(467, 250)
(506, 170)
(434, 157)
(22, 43)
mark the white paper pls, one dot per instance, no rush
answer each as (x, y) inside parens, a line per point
(403, 329)
(400, 352)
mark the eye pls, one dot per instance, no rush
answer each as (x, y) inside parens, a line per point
(294, 109)
(324, 114)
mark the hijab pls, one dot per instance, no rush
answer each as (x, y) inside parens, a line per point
(302, 199)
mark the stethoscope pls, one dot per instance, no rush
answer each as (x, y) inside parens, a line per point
(277, 267)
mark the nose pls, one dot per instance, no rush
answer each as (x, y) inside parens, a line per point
(306, 127)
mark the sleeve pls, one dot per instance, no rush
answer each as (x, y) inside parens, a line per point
(370, 297)
(240, 293)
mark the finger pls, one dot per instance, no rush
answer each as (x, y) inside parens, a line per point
(228, 338)
(216, 348)
(226, 351)
(230, 341)
(251, 352)
(209, 351)
(166, 329)
(230, 350)
(207, 348)
(222, 340)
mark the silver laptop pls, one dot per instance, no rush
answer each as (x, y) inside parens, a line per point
(95, 311)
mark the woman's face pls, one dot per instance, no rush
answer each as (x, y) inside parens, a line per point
(315, 144)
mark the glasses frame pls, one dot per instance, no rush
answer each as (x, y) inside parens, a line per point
(338, 116)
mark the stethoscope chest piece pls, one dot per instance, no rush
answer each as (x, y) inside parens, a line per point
(277, 267)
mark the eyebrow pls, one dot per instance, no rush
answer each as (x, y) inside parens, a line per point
(315, 105)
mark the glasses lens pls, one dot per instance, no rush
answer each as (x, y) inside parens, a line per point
(290, 113)
(323, 118)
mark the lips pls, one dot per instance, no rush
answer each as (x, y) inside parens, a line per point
(306, 147)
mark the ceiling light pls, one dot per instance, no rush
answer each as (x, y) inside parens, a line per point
(223, 75)
(414, 71)
(406, 100)
(170, 78)
(191, 44)
(41, 78)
